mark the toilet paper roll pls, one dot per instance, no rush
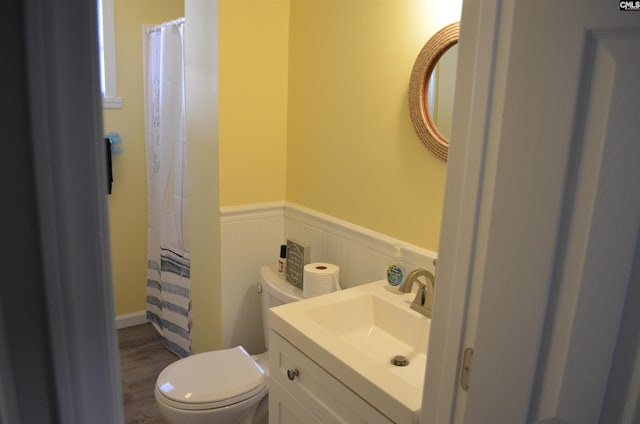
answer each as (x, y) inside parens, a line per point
(320, 278)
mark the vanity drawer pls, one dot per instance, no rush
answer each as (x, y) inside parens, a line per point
(326, 397)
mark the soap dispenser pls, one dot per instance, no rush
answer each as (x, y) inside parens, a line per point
(395, 271)
(282, 260)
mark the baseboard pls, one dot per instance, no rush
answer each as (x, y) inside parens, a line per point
(130, 320)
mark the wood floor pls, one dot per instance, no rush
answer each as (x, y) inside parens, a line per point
(142, 357)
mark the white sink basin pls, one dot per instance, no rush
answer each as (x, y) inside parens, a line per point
(378, 329)
(355, 333)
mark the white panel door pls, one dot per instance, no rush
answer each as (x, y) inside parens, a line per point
(554, 270)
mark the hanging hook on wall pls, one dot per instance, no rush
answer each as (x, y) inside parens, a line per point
(115, 141)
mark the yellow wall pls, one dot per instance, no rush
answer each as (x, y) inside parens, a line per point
(352, 151)
(128, 202)
(313, 110)
(253, 100)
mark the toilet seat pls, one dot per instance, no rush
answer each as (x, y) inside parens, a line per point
(211, 380)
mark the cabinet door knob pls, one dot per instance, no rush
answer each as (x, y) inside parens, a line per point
(292, 373)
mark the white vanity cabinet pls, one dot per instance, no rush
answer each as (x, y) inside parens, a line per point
(285, 409)
(300, 391)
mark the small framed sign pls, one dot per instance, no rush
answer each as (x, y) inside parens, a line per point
(297, 258)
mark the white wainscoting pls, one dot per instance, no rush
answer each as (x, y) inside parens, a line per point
(362, 255)
(251, 238)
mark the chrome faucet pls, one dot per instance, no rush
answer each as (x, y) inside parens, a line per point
(423, 302)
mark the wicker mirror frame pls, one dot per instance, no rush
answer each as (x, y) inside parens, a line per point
(419, 86)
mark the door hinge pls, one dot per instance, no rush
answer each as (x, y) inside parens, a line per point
(467, 358)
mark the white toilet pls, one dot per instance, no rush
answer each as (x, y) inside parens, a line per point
(224, 386)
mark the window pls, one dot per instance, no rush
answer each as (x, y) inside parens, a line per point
(110, 99)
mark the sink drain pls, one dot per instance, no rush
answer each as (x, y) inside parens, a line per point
(400, 361)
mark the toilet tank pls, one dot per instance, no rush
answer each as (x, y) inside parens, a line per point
(275, 291)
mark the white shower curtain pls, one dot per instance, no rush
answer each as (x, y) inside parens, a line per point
(168, 267)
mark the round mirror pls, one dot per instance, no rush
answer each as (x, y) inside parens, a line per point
(431, 90)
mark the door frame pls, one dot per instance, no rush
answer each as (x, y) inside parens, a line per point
(482, 61)
(71, 304)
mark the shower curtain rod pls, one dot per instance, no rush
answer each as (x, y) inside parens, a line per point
(156, 28)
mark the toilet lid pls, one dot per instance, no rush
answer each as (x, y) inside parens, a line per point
(211, 379)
